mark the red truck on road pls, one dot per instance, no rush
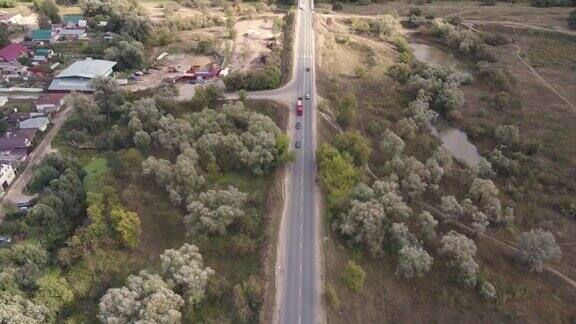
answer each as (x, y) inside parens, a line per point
(299, 107)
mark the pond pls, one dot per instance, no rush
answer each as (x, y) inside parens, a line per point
(457, 142)
(453, 138)
(434, 56)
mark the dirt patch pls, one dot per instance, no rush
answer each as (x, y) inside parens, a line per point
(251, 42)
(155, 77)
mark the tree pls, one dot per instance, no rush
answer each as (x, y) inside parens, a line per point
(54, 292)
(49, 8)
(15, 308)
(43, 21)
(4, 36)
(207, 97)
(443, 156)
(337, 172)
(142, 140)
(400, 236)
(128, 52)
(572, 20)
(391, 145)
(508, 135)
(413, 262)
(107, 95)
(184, 267)
(346, 109)
(537, 247)
(88, 111)
(127, 225)
(460, 252)
(215, 211)
(483, 169)
(365, 223)
(354, 144)
(451, 208)
(353, 277)
(427, 224)
(484, 193)
(146, 298)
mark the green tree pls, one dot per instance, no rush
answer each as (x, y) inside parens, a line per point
(127, 225)
(337, 172)
(353, 143)
(54, 292)
(353, 276)
(346, 109)
(49, 8)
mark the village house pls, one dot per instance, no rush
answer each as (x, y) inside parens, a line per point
(40, 123)
(79, 75)
(14, 68)
(43, 54)
(43, 35)
(74, 21)
(71, 34)
(7, 175)
(13, 52)
(50, 102)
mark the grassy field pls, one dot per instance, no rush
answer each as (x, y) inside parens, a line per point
(96, 170)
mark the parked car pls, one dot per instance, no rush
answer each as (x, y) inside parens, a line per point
(298, 144)
(139, 73)
(146, 72)
(5, 240)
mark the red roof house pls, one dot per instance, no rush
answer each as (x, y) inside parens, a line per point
(50, 102)
(12, 52)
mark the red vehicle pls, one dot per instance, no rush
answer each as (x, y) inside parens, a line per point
(299, 107)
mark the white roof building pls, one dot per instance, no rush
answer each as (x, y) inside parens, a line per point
(77, 77)
(40, 123)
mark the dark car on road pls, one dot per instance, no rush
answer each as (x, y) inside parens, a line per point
(298, 144)
(298, 125)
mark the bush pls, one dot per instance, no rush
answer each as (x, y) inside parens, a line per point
(501, 100)
(496, 39)
(572, 20)
(7, 3)
(354, 276)
(338, 6)
(331, 297)
(415, 11)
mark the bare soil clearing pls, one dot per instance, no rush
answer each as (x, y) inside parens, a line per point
(250, 44)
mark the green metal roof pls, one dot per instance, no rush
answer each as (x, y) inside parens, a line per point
(42, 51)
(71, 18)
(42, 34)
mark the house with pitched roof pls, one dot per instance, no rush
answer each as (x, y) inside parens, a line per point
(50, 102)
(13, 52)
(43, 35)
(74, 21)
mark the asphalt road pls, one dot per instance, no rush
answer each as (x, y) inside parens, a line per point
(299, 284)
